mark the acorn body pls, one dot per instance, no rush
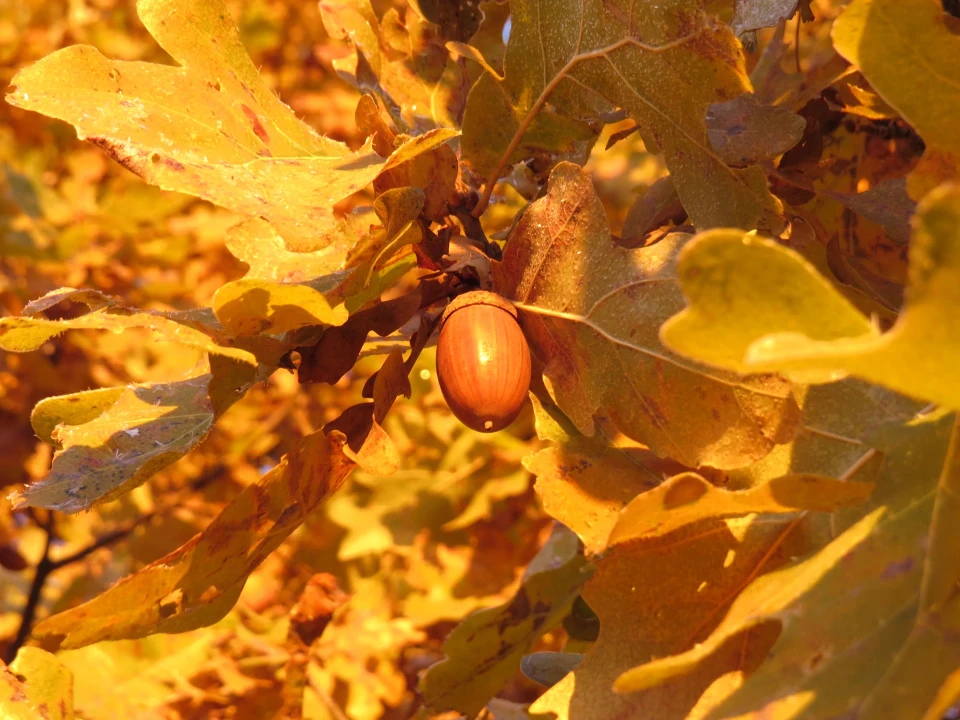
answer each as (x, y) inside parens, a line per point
(483, 362)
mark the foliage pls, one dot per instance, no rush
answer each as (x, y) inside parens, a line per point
(231, 486)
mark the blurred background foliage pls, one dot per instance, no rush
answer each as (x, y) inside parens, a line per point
(449, 533)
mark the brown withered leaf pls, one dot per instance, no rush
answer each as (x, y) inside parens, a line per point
(197, 584)
(591, 311)
(423, 87)
(655, 208)
(337, 350)
(750, 15)
(867, 621)
(371, 124)
(93, 299)
(569, 60)
(486, 649)
(107, 450)
(585, 482)
(238, 145)
(434, 172)
(368, 445)
(743, 131)
(886, 204)
(458, 19)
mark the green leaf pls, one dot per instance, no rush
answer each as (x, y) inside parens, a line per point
(104, 455)
(36, 686)
(238, 145)
(757, 306)
(590, 310)
(572, 59)
(924, 91)
(486, 649)
(197, 584)
(73, 409)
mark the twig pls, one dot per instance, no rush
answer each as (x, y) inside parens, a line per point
(44, 568)
(47, 566)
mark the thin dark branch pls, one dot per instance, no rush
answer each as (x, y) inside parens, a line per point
(44, 568)
(47, 566)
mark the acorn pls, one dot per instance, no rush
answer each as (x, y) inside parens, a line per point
(483, 362)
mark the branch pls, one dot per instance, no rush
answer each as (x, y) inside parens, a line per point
(47, 566)
(44, 568)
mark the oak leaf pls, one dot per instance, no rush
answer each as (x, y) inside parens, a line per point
(568, 61)
(758, 306)
(197, 584)
(591, 309)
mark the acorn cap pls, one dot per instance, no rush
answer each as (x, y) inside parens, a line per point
(477, 297)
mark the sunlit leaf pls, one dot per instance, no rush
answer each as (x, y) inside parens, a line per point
(585, 482)
(426, 86)
(869, 33)
(591, 309)
(573, 59)
(237, 146)
(36, 686)
(144, 430)
(486, 649)
(262, 307)
(198, 583)
(74, 409)
(257, 244)
(687, 498)
(758, 306)
(24, 334)
(860, 621)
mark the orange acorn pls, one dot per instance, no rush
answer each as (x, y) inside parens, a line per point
(483, 362)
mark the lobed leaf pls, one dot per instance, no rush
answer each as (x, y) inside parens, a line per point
(238, 146)
(104, 455)
(25, 334)
(486, 649)
(590, 310)
(924, 91)
(197, 584)
(863, 623)
(261, 307)
(570, 60)
(687, 498)
(757, 306)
